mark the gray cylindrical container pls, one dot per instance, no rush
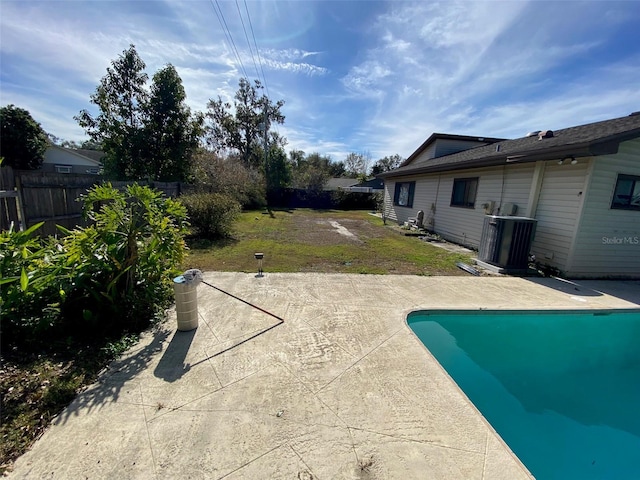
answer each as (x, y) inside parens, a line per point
(186, 303)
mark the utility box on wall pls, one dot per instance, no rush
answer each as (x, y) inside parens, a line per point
(506, 241)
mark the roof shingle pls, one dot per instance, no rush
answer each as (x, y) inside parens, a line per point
(597, 138)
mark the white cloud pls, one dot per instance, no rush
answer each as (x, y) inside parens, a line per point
(293, 67)
(288, 54)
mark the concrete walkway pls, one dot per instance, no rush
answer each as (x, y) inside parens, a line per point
(341, 389)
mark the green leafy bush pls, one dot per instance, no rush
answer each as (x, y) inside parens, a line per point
(211, 214)
(105, 279)
(30, 283)
(123, 263)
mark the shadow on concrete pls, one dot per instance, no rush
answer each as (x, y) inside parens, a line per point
(628, 290)
(172, 366)
(569, 287)
(114, 381)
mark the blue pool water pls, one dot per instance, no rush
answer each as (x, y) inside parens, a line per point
(561, 388)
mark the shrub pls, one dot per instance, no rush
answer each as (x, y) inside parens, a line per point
(228, 176)
(345, 200)
(122, 265)
(30, 283)
(110, 277)
(211, 214)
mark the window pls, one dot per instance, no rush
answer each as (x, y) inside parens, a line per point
(627, 193)
(93, 170)
(464, 192)
(63, 168)
(403, 195)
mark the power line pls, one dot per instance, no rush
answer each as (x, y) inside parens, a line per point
(227, 33)
(258, 54)
(247, 38)
(257, 50)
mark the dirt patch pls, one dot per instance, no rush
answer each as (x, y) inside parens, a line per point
(310, 229)
(342, 230)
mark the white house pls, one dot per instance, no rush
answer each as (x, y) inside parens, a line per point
(582, 184)
(67, 160)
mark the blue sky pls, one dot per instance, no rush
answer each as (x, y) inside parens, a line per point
(376, 77)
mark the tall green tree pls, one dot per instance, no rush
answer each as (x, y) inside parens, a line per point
(120, 98)
(277, 169)
(241, 127)
(386, 164)
(172, 134)
(22, 139)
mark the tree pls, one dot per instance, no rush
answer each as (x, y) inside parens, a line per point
(22, 139)
(296, 158)
(90, 145)
(386, 164)
(240, 128)
(310, 172)
(357, 163)
(337, 169)
(120, 98)
(278, 170)
(170, 131)
(145, 135)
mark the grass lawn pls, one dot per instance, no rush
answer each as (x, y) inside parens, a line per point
(307, 240)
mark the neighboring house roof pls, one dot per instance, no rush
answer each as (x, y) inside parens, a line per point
(96, 155)
(340, 182)
(57, 154)
(599, 138)
(447, 136)
(374, 183)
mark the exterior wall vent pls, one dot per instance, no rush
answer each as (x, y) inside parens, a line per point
(545, 134)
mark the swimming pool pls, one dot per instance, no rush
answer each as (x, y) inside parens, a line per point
(562, 388)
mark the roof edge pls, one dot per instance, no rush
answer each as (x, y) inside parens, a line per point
(448, 136)
(74, 152)
(604, 146)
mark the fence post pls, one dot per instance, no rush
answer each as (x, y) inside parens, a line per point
(20, 204)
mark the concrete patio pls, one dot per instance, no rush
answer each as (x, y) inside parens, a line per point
(341, 389)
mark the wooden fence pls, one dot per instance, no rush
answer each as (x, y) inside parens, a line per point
(30, 197)
(9, 200)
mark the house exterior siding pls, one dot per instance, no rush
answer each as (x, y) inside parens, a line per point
(84, 169)
(559, 205)
(573, 211)
(499, 185)
(608, 240)
(54, 156)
